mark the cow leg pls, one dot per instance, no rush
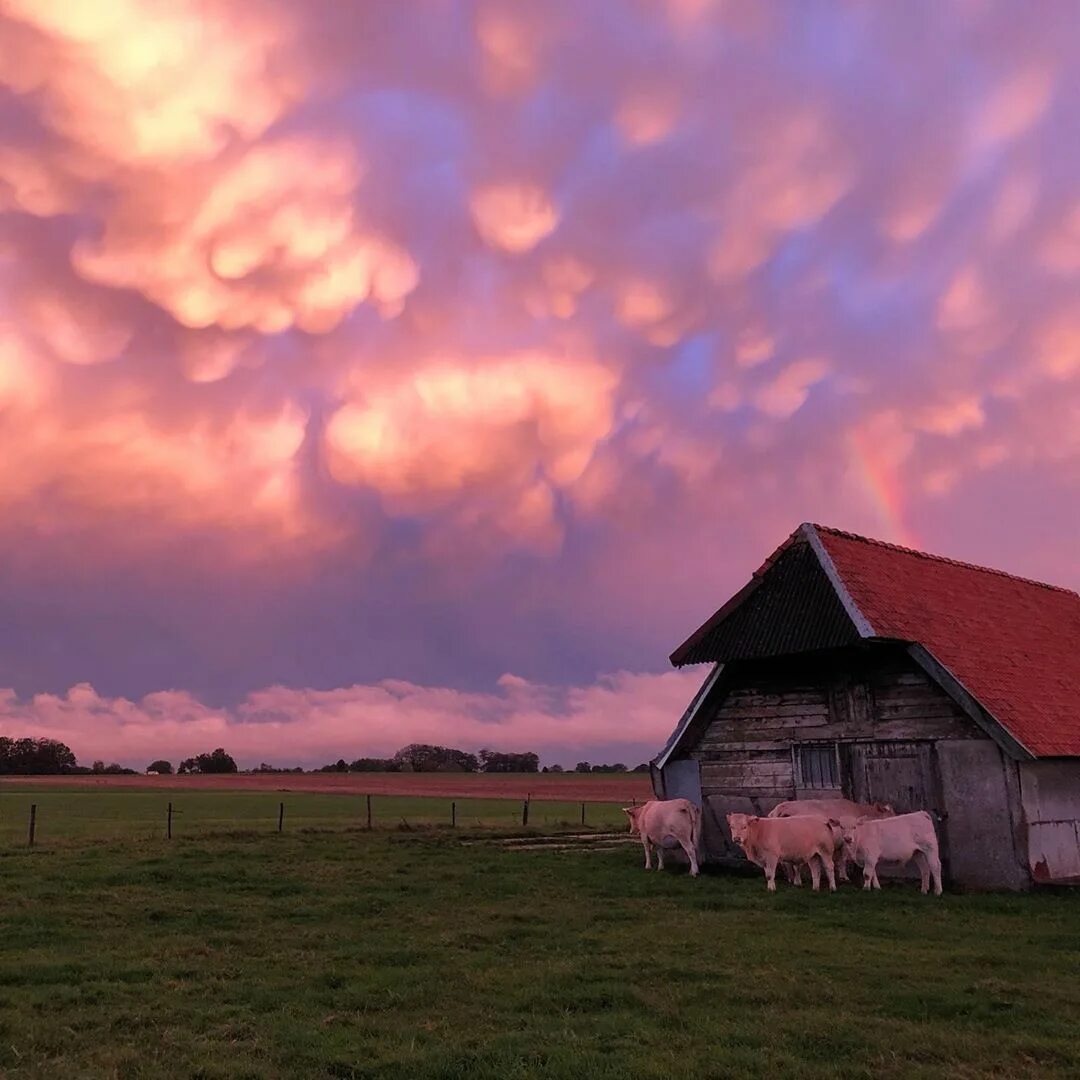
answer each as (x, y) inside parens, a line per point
(924, 870)
(660, 856)
(770, 872)
(691, 854)
(841, 867)
(815, 872)
(648, 853)
(830, 871)
(794, 873)
(868, 870)
(935, 870)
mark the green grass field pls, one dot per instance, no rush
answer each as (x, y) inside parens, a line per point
(413, 955)
(78, 815)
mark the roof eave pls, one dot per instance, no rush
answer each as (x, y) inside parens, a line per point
(967, 701)
(676, 737)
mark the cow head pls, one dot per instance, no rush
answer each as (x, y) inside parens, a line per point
(846, 836)
(883, 809)
(632, 813)
(739, 824)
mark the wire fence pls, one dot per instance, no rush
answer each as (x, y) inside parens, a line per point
(36, 817)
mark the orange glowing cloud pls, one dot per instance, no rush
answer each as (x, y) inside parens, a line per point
(646, 116)
(787, 393)
(231, 475)
(269, 241)
(513, 217)
(139, 81)
(530, 422)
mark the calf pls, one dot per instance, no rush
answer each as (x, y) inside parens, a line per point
(666, 823)
(843, 811)
(770, 841)
(894, 839)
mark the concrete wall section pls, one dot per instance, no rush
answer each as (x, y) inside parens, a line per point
(978, 840)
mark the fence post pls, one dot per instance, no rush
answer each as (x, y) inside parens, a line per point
(168, 823)
(369, 813)
(453, 815)
(33, 822)
(280, 816)
(525, 812)
(582, 813)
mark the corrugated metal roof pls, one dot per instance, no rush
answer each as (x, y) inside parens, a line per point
(789, 606)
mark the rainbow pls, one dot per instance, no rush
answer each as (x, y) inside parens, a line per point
(880, 482)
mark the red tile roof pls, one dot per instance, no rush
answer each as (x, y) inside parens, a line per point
(1013, 644)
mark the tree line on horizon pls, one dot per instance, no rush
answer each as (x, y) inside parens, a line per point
(29, 757)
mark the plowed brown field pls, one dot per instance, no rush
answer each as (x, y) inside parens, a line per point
(571, 787)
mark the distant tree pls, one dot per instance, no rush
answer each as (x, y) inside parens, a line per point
(161, 767)
(643, 767)
(29, 757)
(617, 767)
(493, 762)
(582, 766)
(556, 768)
(374, 764)
(98, 767)
(423, 757)
(215, 762)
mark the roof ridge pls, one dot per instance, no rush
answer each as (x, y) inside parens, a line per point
(844, 533)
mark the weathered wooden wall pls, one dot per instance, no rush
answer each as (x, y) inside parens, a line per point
(745, 747)
(901, 738)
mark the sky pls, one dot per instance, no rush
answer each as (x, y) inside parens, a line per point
(385, 372)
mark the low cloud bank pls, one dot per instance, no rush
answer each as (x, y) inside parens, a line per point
(622, 716)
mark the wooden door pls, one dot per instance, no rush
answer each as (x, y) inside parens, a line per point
(899, 773)
(902, 774)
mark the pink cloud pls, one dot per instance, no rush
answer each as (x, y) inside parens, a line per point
(341, 351)
(619, 716)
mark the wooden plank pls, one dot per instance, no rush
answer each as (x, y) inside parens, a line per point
(802, 697)
(771, 753)
(720, 745)
(770, 712)
(746, 768)
(919, 710)
(926, 729)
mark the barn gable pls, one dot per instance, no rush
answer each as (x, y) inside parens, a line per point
(789, 606)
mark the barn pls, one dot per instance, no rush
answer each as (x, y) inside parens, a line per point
(852, 667)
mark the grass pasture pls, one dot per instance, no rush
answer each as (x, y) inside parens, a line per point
(77, 814)
(412, 955)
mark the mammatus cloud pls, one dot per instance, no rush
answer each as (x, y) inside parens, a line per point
(620, 716)
(509, 335)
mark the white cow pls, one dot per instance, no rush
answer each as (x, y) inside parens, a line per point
(843, 811)
(666, 823)
(895, 839)
(771, 841)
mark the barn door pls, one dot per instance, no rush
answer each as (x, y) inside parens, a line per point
(899, 773)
